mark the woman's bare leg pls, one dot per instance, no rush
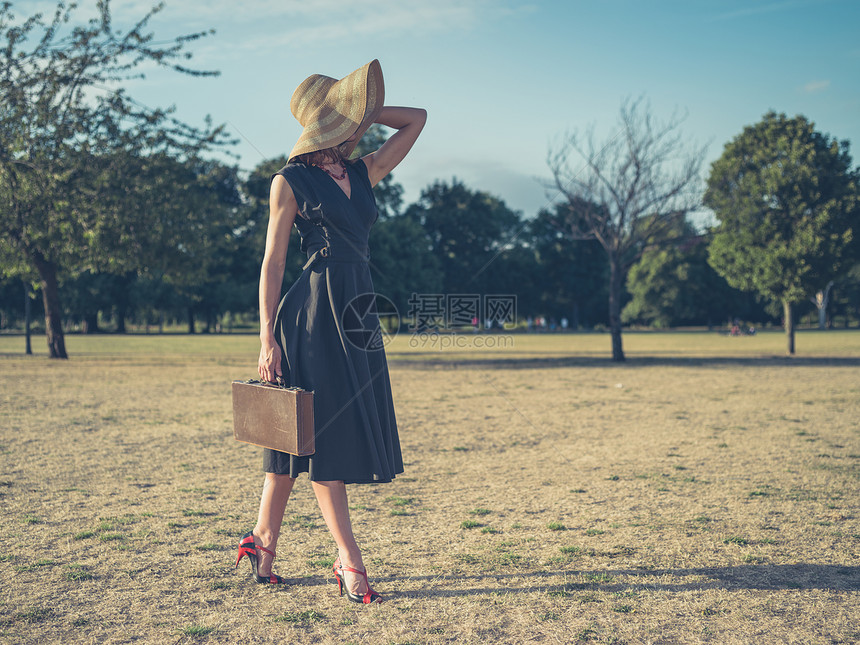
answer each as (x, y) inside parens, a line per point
(273, 503)
(331, 497)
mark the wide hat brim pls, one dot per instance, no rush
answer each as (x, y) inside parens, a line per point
(331, 111)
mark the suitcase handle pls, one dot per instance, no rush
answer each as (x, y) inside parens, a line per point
(280, 383)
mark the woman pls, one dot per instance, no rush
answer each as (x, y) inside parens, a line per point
(330, 200)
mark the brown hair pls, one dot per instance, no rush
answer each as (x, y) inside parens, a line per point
(325, 156)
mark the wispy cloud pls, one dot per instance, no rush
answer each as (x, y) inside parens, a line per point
(816, 86)
(298, 23)
(342, 23)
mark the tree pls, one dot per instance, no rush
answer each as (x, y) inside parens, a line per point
(629, 194)
(674, 285)
(571, 272)
(467, 230)
(402, 261)
(786, 200)
(63, 131)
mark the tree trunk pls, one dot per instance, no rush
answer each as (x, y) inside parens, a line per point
(615, 309)
(120, 319)
(51, 297)
(821, 300)
(190, 320)
(28, 346)
(788, 314)
(91, 323)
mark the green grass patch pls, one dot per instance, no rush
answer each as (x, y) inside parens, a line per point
(736, 539)
(77, 573)
(303, 521)
(83, 535)
(400, 501)
(35, 614)
(209, 546)
(556, 526)
(489, 529)
(300, 617)
(564, 592)
(111, 537)
(38, 564)
(594, 532)
(190, 512)
(195, 630)
(470, 524)
(598, 578)
(508, 559)
(480, 511)
(32, 519)
(325, 563)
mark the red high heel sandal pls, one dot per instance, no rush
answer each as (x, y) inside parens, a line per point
(370, 596)
(248, 547)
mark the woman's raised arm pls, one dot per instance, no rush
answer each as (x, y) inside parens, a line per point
(408, 122)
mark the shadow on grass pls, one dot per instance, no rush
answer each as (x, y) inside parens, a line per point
(763, 576)
(432, 360)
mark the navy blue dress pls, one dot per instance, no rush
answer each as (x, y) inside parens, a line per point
(328, 332)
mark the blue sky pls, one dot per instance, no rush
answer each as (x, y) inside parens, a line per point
(503, 79)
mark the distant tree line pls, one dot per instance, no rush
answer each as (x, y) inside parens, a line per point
(206, 277)
(112, 214)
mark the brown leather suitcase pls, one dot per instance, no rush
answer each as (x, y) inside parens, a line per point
(272, 416)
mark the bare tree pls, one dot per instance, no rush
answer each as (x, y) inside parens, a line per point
(629, 192)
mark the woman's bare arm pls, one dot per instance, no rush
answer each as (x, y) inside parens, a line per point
(282, 214)
(408, 122)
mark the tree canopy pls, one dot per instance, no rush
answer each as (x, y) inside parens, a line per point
(785, 196)
(75, 148)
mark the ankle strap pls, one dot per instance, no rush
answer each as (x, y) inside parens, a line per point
(351, 570)
(262, 548)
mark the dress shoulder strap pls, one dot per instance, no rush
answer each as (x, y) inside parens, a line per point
(304, 189)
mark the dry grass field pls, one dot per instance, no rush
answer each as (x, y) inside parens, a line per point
(704, 492)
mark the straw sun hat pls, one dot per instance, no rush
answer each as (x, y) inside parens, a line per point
(331, 111)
